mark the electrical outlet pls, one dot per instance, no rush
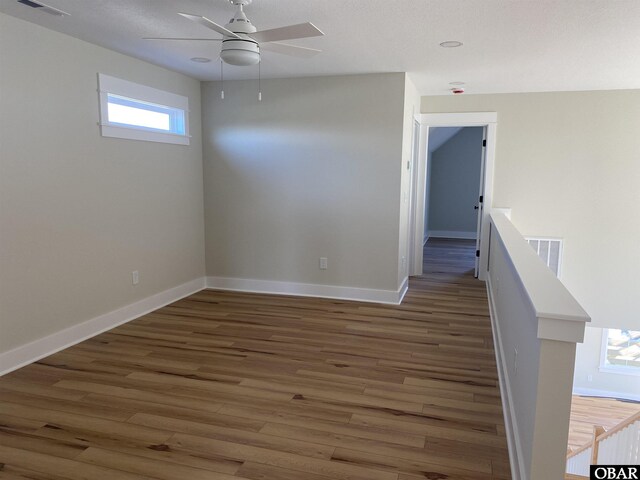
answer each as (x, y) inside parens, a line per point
(589, 378)
(515, 361)
(135, 277)
(323, 263)
(404, 264)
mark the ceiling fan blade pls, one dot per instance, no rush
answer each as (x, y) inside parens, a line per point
(292, 50)
(209, 24)
(301, 30)
(174, 38)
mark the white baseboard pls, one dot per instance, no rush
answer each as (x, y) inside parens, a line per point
(514, 445)
(594, 392)
(33, 351)
(452, 234)
(393, 297)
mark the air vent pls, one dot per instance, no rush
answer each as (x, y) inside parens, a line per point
(549, 250)
(43, 8)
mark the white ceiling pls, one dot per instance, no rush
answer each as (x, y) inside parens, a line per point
(509, 45)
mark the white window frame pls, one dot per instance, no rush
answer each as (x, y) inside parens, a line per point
(607, 368)
(135, 91)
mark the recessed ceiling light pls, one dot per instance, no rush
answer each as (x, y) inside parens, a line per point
(200, 60)
(451, 44)
(456, 84)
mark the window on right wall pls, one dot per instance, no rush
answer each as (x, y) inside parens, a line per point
(620, 351)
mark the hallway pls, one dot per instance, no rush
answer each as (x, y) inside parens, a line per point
(226, 385)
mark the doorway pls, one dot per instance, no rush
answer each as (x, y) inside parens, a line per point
(426, 124)
(455, 159)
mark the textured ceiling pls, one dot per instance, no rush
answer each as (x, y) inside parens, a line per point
(509, 45)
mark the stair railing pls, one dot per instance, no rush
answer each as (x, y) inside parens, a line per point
(619, 445)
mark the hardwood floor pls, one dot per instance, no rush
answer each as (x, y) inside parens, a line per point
(589, 411)
(228, 386)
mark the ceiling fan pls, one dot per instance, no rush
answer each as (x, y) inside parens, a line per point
(242, 42)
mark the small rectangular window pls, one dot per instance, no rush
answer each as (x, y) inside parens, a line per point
(133, 111)
(621, 351)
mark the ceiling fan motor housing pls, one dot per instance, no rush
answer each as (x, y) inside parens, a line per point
(240, 51)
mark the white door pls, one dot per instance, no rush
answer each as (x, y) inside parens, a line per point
(480, 205)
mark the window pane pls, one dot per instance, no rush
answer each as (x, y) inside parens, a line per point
(138, 117)
(129, 112)
(139, 112)
(623, 348)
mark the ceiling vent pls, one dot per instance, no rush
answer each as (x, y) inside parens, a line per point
(43, 8)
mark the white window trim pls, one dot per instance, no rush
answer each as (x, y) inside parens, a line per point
(619, 369)
(117, 86)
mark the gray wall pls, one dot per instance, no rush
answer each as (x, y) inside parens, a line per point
(454, 183)
(313, 170)
(78, 212)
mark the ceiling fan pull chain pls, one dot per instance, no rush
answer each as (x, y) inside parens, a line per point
(221, 79)
(259, 89)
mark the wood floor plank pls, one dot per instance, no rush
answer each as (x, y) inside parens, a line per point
(375, 447)
(61, 467)
(416, 467)
(147, 397)
(451, 433)
(108, 412)
(204, 383)
(286, 418)
(234, 435)
(10, 423)
(161, 451)
(12, 472)
(134, 464)
(439, 420)
(9, 384)
(346, 398)
(281, 459)
(260, 471)
(228, 385)
(33, 442)
(438, 390)
(104, 427)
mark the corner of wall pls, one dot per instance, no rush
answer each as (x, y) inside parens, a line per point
(43, 347)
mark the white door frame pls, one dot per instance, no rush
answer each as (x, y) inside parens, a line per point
(415, 148)
(480, 206)
(427, 120)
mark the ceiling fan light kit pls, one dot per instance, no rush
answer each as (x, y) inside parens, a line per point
(243, 50)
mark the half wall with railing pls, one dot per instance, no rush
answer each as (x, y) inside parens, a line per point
(536, 325)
